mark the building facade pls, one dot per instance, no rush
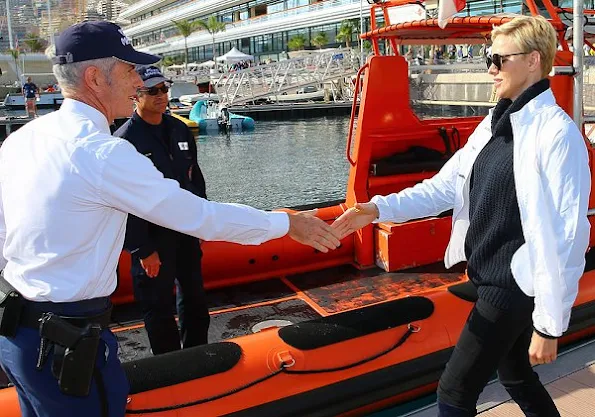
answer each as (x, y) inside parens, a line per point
(262, 28)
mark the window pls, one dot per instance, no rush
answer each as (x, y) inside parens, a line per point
(275, 7)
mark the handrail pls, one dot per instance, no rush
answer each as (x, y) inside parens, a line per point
(353, 109)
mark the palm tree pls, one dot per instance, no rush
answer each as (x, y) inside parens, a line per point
(185, 28)
(320, 40)
(15, 53)
(167, 61)
(213, 26)
(34, 43)
(345, 33)
(297, 42)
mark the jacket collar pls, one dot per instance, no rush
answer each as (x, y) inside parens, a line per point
(525, 115)
(137, 119)
(78, 107)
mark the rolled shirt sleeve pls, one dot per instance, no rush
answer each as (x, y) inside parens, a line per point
(130, 183)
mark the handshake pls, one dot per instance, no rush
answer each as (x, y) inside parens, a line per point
(310, 230)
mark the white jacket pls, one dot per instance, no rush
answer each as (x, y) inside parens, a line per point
(553, 181)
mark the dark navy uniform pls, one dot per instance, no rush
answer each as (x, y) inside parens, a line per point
(172, 149)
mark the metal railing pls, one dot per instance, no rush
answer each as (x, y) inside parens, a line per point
(273, 80)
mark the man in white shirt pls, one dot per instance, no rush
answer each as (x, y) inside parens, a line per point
(66, 188)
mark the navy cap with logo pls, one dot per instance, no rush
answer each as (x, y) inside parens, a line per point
(151, 76)
(97, 39)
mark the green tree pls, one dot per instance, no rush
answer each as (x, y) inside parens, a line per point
(15, 53)
(167, 61)
(185, 28)
(297, 42)
(320, 40)
(34, 42)
(213, 26)
(345, 32)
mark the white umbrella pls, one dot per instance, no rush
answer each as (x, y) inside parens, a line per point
(208, 64)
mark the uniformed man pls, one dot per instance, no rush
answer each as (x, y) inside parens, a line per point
(66, 188)
(161, 255)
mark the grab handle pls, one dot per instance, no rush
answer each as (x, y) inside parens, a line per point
(353, 109)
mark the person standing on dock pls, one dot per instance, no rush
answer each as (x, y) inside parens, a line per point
(519, 192)
(66, 188)
(161, 256)
(30, 93)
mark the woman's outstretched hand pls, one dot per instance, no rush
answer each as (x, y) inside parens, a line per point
(361, 215)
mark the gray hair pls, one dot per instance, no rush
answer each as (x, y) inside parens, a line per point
(69, 76)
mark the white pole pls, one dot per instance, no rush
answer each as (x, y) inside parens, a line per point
(50, 30)
(578, 61)
(361, 31)
(8, 22)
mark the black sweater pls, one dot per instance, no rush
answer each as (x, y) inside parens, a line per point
(495, 231)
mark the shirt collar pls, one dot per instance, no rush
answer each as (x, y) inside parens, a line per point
(78, 107)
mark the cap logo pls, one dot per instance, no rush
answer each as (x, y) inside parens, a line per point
(124, 39)
(151, 72)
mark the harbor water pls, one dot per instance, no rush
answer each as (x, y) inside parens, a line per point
(279, 164)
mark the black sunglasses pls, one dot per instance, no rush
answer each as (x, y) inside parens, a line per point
(498, 59)
(153, 91)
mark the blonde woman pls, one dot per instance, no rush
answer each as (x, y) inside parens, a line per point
(519, 192)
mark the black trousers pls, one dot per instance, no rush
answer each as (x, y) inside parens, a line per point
(180, 264)
(493, 340)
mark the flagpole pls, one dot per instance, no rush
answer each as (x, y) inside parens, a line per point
(361, 32)
(9, 23)
(578, 61)
(51, 32)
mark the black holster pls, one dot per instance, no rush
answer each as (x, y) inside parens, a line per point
(11, 307)
(75, 352)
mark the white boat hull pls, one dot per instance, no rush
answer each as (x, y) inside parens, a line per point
(17, 101)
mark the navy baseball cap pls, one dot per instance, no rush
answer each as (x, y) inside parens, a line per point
(151, 76)
(98, 39)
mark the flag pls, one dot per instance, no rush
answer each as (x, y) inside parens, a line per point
(447, 9)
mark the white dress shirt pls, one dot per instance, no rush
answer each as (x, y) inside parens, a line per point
(66, 188)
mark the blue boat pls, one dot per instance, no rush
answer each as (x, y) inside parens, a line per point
(213, 118)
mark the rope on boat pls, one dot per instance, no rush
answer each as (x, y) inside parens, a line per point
(284, 368)
(410, 330)
(204, 400)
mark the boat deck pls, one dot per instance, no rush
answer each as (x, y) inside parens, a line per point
(570, 380)
(249, 308)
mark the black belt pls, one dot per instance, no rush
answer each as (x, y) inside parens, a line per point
(31, 317)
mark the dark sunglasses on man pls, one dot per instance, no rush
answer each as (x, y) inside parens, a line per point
(498, 59)
(153, 91)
